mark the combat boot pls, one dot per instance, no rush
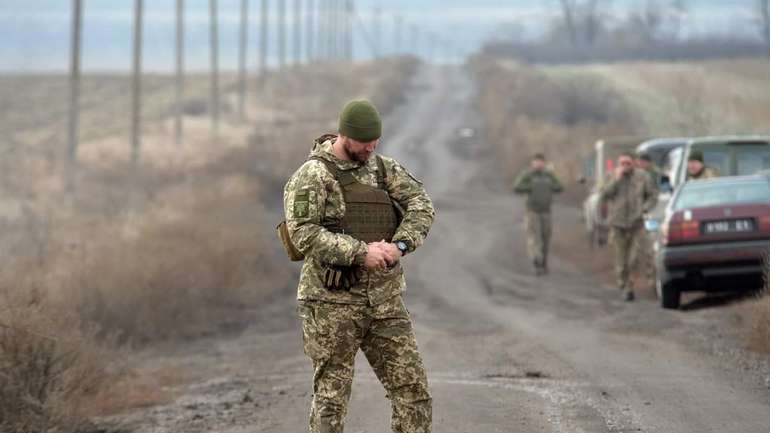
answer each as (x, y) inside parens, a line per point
(629, 297)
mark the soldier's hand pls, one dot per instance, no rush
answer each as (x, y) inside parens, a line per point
(376, 257)
(393, 253)
(618, 173)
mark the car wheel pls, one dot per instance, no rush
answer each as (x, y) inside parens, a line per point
(668, 294)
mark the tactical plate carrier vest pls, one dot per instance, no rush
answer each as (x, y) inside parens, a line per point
(370, 214)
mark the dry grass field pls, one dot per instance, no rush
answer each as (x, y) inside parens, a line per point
(179, 247)
(562, 110)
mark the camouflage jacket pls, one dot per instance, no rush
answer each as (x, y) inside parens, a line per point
(313, 200)
(539, 186)
(706, 173)
(629, 197)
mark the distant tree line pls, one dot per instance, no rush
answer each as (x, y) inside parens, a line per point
(585, 31)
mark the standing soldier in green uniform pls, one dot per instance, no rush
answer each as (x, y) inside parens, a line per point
(353, 214)
(539, 185)
(697, 169)
(630, 196)
(646, 252)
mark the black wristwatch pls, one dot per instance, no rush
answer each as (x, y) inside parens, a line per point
(402, 246)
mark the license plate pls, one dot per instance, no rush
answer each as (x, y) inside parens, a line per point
(730, 226)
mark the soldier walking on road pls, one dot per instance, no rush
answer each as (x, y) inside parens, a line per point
(696, 169)
(646, 253)
(539, 184)
(630, 196)
(353, 214)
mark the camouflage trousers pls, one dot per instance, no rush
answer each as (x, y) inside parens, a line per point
(646, 256)
(626, 244)
(333, 334)
(538, 228)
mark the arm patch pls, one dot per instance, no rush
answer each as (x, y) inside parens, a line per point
(301, 204)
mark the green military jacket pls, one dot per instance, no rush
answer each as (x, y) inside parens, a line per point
(313, 200)
(655, 177)
(629, 197)
(539, 186)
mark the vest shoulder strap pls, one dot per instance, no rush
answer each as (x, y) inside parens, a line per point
(344, 177)
(382, 175)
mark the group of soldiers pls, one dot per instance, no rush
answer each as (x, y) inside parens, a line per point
(630, 194)
(351, 215)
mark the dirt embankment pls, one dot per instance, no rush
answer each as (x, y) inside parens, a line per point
(172, 249)
(562, 110)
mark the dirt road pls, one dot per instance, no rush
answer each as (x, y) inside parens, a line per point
(505, 351)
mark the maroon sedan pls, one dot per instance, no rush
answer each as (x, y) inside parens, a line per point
(716, 232)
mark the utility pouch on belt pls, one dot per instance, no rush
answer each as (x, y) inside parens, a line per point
(283, 234)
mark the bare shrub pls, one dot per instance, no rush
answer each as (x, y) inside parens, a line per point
(50, 364)
(527, 111)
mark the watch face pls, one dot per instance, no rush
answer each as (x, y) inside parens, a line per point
(401, 246)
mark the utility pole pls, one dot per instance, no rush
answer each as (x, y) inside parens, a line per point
(281, 34)
(243, 45)
(178, 127)
(431, 40)
(347, 41)
(297, 32)
(136, 115)
(74, 112)
(377, 25)
(332, 31)
(263, 35)
(398, 28)
(309, 30)
(214, 74)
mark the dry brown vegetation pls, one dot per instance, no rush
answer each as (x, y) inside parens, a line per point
(528, 111)
(174, 249)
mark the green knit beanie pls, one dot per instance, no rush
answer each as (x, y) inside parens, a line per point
(696, 155)
(360, 121)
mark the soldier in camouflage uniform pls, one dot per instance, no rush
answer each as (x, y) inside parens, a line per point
(646, 252)
(351, 284)
(630, 196)
(696, 169)
(539, 185)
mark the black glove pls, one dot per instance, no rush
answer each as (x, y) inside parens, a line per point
(340, 277)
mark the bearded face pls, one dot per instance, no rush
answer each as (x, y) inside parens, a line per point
(359, 151)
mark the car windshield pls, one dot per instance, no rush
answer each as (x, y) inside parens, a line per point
(753, 161)
(706, 193)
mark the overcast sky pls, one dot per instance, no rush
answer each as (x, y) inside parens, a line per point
(34, 33)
